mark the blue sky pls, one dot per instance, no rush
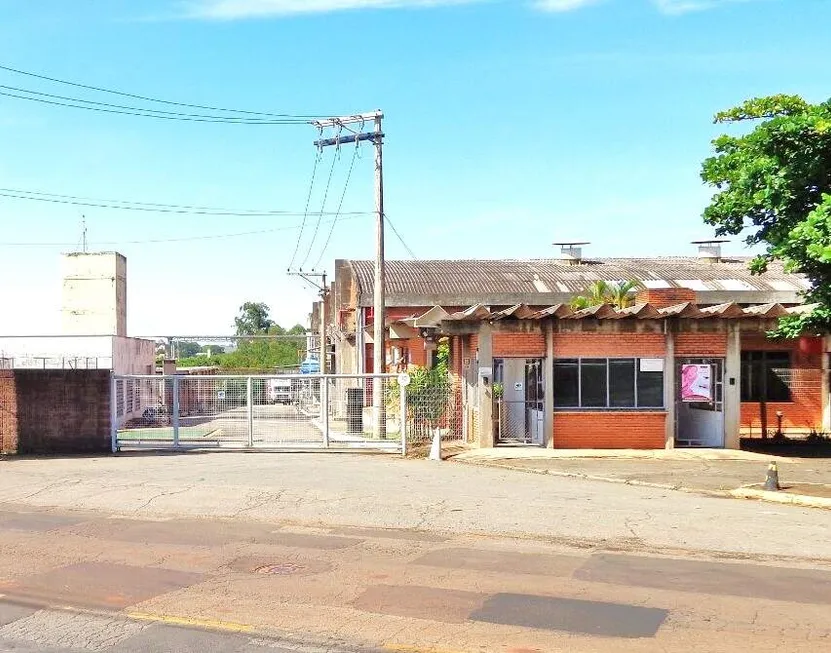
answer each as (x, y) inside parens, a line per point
(510, 124)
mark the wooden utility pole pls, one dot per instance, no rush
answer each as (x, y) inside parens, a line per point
(324, 293)
(379, 303)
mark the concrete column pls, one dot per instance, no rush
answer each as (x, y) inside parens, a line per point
(548, 381)
(826, 385)
(485, 381)
(669, 387)
(732, 388)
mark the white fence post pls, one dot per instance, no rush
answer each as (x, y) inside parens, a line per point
(113, 414)
(175, 411)
(324, 409)
(249, 401)
(403, 396)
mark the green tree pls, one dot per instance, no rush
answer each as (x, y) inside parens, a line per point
(619, 295)
(253, 319)
(774, 186)
(187, 349)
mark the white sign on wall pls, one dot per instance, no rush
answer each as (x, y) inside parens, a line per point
(652, 364)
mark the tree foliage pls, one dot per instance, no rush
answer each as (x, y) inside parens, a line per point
(774, 187)
(620, 295)
(253, 319)
(254, 354)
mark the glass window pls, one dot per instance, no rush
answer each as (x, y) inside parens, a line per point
(765, 376)
(650, 389)
(567, 383)
(593, 376)
(614, 383)
(622, 382)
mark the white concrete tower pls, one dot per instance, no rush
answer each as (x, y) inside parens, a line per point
(94, 294)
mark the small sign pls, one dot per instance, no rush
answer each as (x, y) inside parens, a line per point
(652, 364)
(696, 383)
(485, 371)
(404, 379)
(518, 386)
(221, 395)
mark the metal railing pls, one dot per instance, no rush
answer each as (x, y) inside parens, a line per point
(520, 422)
(296, 412)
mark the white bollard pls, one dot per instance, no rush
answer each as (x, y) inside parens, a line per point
(435, 448)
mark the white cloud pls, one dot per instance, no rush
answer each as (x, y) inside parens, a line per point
(236, 9)
(564, 5)
(241, 9)
(684, 6)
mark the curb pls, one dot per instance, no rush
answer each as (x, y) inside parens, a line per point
(604, 479)
(803, 500)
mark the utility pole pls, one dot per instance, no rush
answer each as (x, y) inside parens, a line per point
(324, 293)
(379, 303)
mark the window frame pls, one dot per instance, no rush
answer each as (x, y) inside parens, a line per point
(756, 362)
(636, 407)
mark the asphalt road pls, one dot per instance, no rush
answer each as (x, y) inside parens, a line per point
(344, 552)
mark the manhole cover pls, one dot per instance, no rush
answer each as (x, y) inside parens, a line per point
(280, 569)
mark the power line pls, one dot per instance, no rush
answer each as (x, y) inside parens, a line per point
(322, 209)
(150, 99)
(155, 241)
(152, 112)
(142, 113)
(121, 205)
(340, 206)
(400, 239)
(306, 211)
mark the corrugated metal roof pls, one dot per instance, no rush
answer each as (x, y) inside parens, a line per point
(488, 281)
(687, 310)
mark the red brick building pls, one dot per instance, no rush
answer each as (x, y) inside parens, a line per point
(535, 371)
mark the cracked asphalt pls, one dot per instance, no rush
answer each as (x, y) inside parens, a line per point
(387, 491)
(366, 552)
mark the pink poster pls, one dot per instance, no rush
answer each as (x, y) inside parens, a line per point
(696, 383)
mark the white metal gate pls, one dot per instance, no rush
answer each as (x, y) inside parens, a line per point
(279, 412)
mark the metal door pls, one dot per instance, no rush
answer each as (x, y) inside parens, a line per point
(700, 423)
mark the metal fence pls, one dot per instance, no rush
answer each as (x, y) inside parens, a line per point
(518, 422)
(436, 409)
(296, 412)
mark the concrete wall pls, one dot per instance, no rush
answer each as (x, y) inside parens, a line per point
(94, 294)
(133, 356)
(55, 411)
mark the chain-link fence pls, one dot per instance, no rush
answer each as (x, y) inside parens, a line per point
(433, 408)
(271, 412)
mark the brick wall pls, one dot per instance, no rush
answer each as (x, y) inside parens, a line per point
(663, 297)
(519, 344)
(609, 430)
(699, 345)
(602, 345)
(8, 413)
(805, 411)
(55, 411)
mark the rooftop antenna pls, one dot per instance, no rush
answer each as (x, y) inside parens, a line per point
(84, 234)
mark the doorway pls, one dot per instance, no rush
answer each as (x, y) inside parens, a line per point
(519, 401)
(699, 402)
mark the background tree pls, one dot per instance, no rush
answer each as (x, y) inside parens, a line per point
(187, 349)
(774, 186)
(619, 295)
(253, 319)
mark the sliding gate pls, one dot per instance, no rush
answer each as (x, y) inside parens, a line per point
(291, 412)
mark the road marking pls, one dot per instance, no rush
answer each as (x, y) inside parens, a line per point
(209, 624)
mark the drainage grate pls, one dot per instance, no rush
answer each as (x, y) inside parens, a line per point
(280, 569)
